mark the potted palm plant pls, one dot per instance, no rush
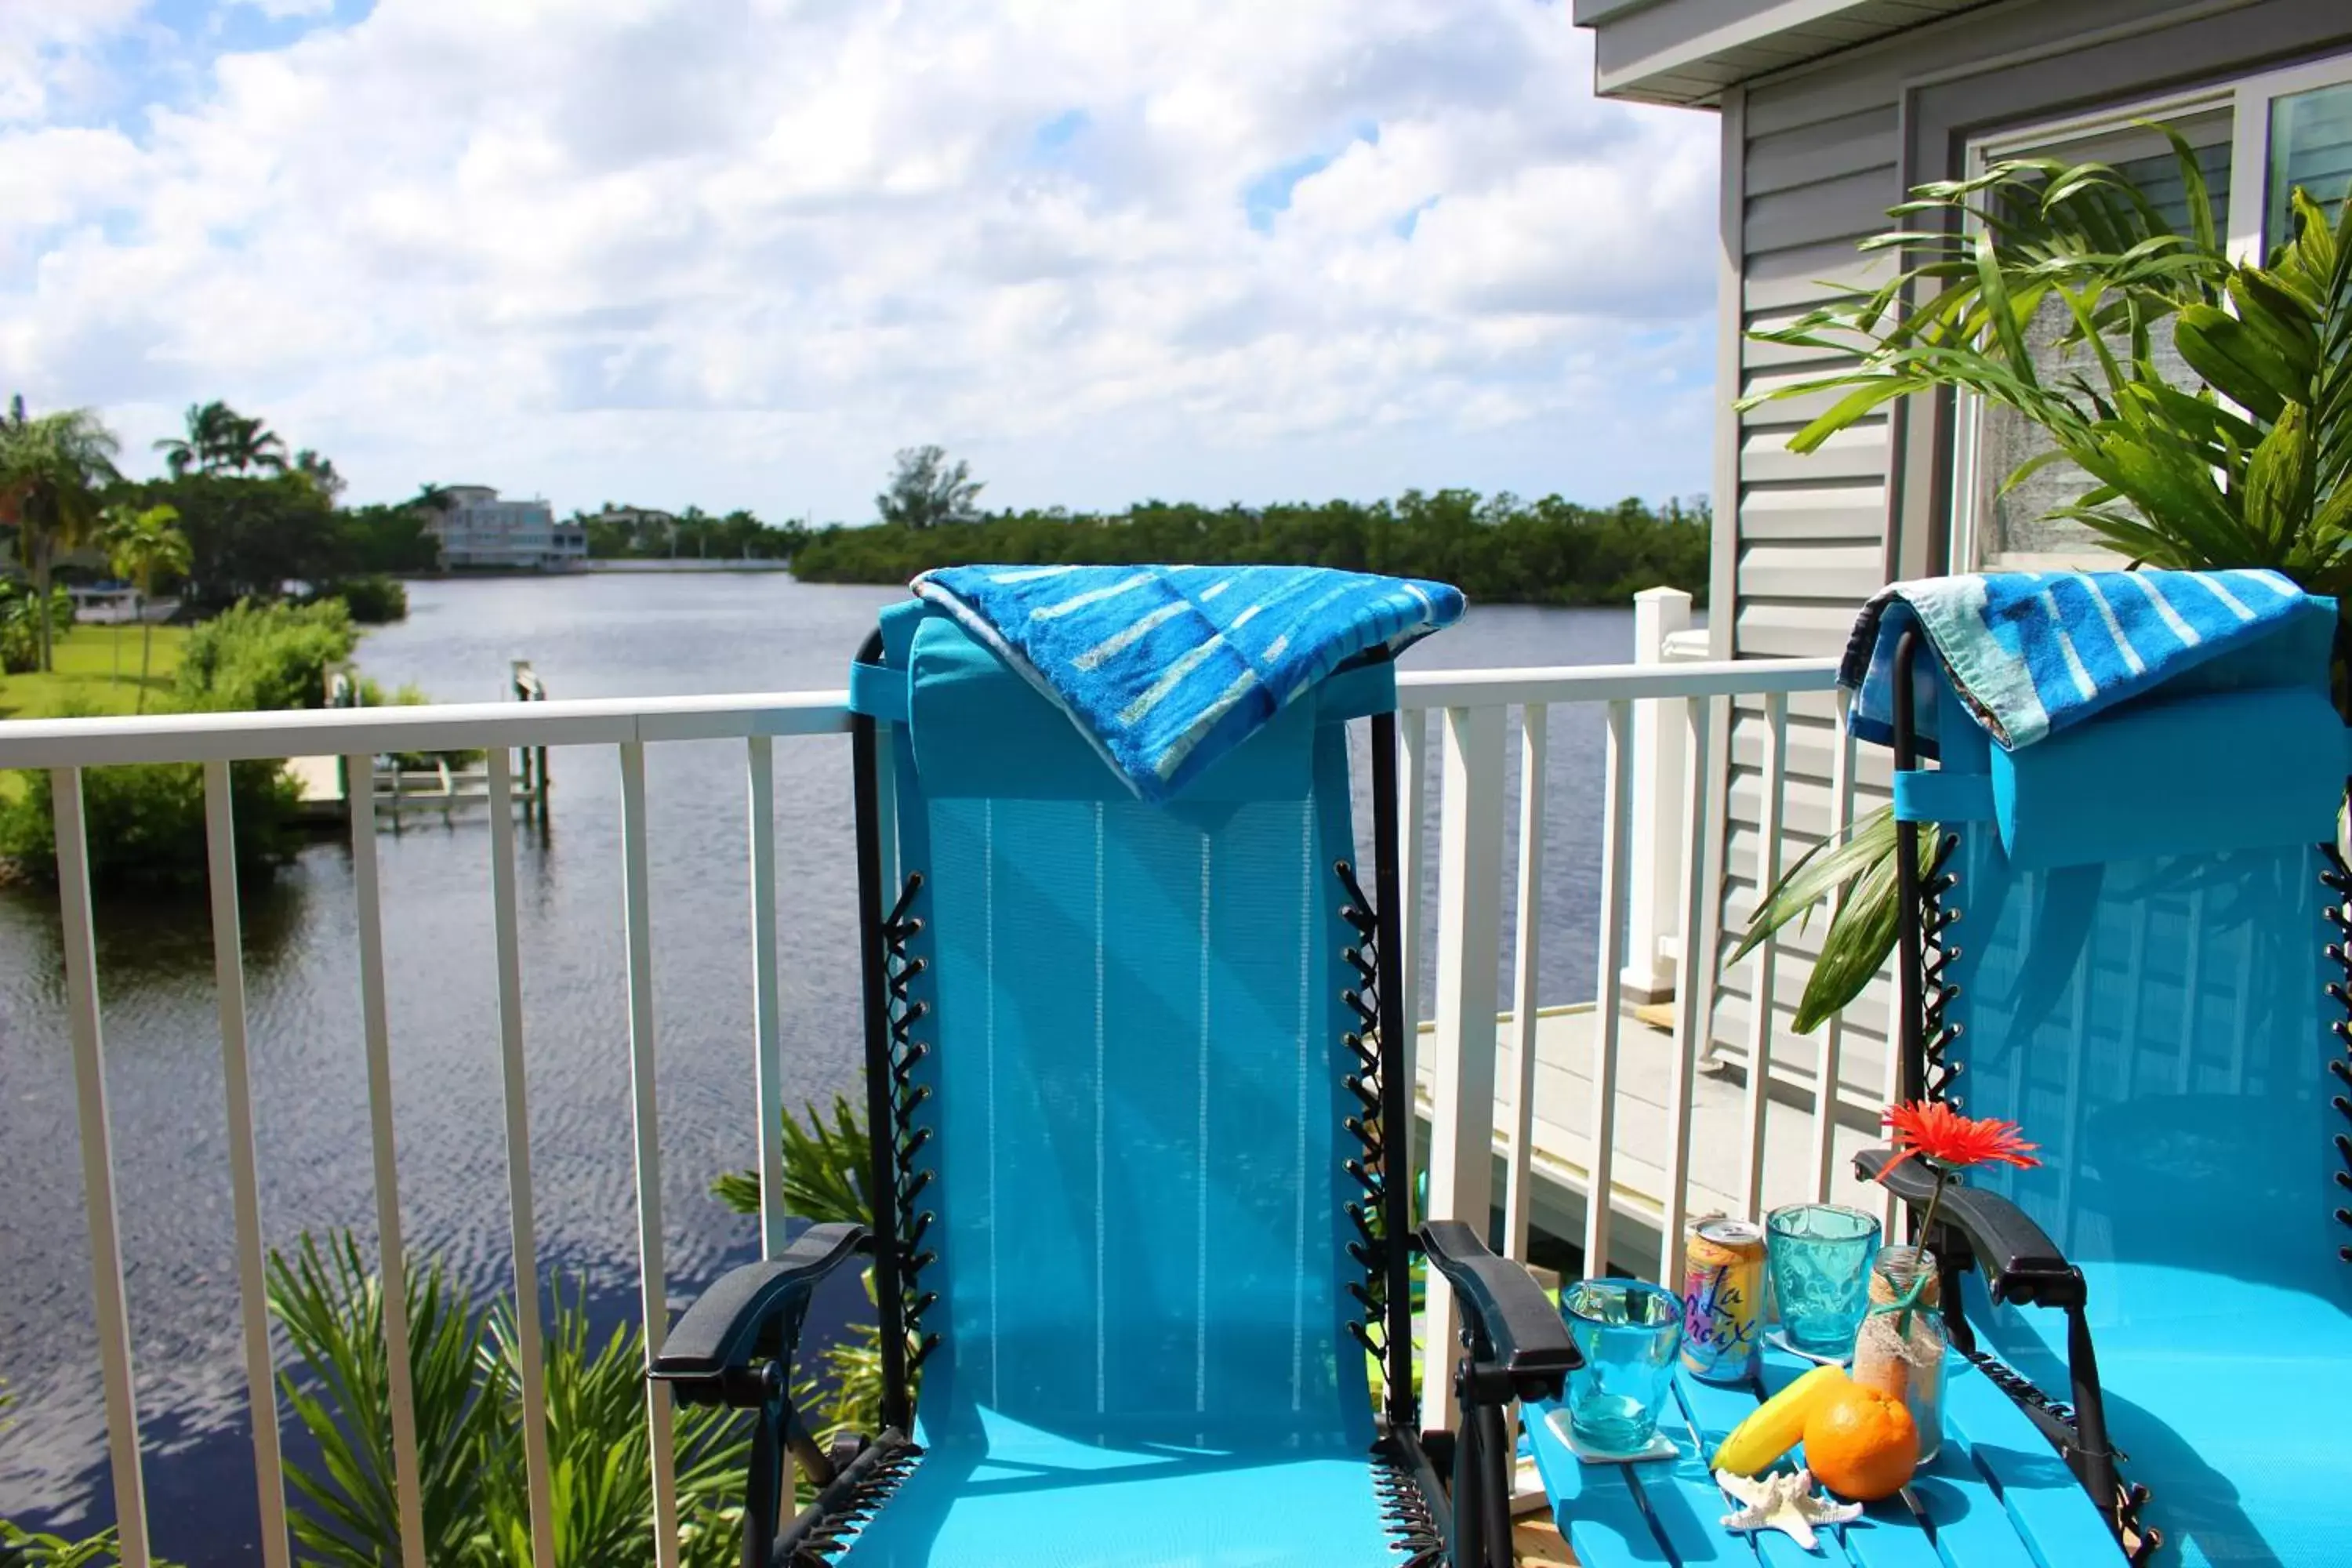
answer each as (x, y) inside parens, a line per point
(2249, 466)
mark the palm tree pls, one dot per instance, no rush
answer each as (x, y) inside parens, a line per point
(319, 471)
(50, 472)
(208, 425)
(144, 545)
(218, 439)
(252, 444)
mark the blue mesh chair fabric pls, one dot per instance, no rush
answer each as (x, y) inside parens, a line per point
(1136, 1121)
(2140, 964)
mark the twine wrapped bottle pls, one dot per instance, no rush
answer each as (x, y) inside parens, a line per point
(1906, 1365)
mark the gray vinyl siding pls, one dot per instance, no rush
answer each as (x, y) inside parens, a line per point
(1821, 151)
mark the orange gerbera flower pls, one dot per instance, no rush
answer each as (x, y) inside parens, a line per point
(1951, 1141)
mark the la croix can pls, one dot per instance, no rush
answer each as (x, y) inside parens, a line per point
(1723, 1298)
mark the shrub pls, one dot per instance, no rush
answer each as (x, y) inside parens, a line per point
(20, 648)
(411, 695)
(20, 626)
(465, 1373)
(22, 1548)
(825, 1182)
(374, 600)
(145, 825)
(256, 656)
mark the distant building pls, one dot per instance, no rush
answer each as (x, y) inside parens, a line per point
(478, 532)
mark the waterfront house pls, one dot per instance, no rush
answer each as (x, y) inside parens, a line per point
(479, 531)
(1830, 111)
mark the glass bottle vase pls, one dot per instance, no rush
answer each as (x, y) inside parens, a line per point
(1906, 1365)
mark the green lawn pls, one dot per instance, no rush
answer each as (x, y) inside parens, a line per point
(97, 668)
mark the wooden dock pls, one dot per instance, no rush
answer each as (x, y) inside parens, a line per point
(399, 791)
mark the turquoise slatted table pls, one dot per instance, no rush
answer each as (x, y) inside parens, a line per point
(1995, 1498)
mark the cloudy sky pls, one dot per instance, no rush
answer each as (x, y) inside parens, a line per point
(735, 252)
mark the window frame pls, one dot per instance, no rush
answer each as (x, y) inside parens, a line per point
(2247, 100)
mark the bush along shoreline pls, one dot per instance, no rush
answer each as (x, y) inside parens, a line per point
(1498, 549)
(145, 824)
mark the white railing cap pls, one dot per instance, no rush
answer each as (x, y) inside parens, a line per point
(360, 731)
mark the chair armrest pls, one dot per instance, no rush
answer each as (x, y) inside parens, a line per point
(1531, 1346)
(2018, 1260)
(722, 1328)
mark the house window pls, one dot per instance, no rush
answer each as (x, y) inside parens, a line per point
(2310, 145)
(2254, 142)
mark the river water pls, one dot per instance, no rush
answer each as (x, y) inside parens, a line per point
(601, 636)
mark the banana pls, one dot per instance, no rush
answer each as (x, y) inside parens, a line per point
(1777, 1425)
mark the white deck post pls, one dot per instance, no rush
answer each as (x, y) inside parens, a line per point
(1655, 863)
(1693, 1000)
(1462, 1112)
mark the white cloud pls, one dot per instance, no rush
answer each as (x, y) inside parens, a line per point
(46, 52)
(738, 250)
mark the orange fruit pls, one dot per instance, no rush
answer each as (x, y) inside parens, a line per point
(1861, 1443)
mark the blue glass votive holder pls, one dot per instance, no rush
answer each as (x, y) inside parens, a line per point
(1820, 1256)
(1629, 1334)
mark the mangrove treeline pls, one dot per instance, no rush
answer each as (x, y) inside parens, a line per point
(1498, 549)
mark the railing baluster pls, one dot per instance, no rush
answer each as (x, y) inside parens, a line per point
(1826, 1082)
(106, 1294)
(1693, 989)
(767, 1010)
(1518, 1194)
(1469, 896)
(391, 1263)
(1608, 1026)
(528, 1343)
(644, 1121)
(1412, 872)
(1759, 995)
(767, 1015)
(245, 1197)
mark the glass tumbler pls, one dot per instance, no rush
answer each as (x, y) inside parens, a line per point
(1820, 1256)
(1629, 1334)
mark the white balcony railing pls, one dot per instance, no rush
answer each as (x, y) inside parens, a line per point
(1642, 1161)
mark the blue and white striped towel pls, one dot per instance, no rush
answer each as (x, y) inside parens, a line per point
(2033, 652)
(1167, 668)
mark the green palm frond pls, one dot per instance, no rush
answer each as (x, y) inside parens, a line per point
(824, 1169)
(466, 1376)
(2253, 467)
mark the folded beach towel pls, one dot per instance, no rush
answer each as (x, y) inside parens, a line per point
(1167, 668)
(2031, 653)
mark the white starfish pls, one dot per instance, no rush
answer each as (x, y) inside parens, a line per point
(1785, 1503)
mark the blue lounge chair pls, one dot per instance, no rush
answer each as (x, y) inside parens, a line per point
(2121, 940)
(1133, 1068)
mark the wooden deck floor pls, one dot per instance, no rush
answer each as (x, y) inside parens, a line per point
(1563, 1121)
(1537, 1544)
